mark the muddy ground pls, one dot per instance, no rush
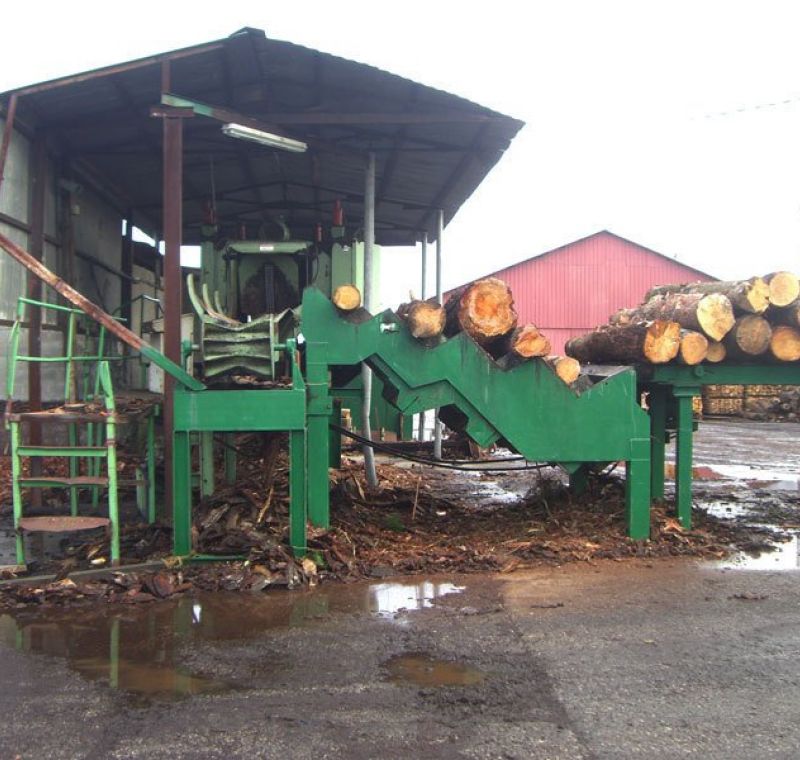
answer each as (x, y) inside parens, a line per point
(576, 657)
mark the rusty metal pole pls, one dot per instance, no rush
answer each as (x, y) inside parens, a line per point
(173, 232)
(8, 129)
(34, 291)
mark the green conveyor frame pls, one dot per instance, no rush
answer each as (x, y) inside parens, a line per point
(675, 385)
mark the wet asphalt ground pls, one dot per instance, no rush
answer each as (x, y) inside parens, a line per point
(656, 659)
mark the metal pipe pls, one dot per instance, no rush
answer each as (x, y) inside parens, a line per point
(422, 294)
(437, 425)
(366, 373)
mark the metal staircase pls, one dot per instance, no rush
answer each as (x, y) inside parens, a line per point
(91, 434)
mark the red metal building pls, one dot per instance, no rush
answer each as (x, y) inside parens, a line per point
(572, 289)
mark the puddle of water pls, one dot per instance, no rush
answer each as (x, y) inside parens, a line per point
(424, 670)
(137, 649)
(784, 556)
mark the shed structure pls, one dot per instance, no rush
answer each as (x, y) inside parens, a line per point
(570, 290)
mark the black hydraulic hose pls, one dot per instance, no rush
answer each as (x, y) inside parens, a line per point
(453, 465)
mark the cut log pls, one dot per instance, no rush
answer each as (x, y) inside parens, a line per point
(655, 342)
(748, 296)
(716, 352)
(710, 314)
(784, 345)
(784, 288)
(694, 347)
(484, 310)
(790, 315)
(748, 338)
(525, 342)
(346, 297)
(566, 368)
(425, 319)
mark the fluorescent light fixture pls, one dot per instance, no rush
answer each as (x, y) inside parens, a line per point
(241, 132)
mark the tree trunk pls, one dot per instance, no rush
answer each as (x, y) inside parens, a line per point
(784, 288)
(566, 368)
(694, 348)
(346, 297)
(425, 319)
(655, 342)
(784, 345)
(716, 352)
(748, 296)
(484, 310)
(710, 314)
(748, 338)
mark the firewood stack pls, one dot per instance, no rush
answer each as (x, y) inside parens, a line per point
(755, 321)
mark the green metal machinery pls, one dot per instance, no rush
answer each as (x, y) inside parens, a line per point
(526, 407)
(671, 389)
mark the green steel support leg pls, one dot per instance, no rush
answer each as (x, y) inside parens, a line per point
(181, 495)
(637, 489)
(151, 468)
(579, 480)
(683, 460)
(230, 458)
(113, 496)
(94, 438)
(113, 654)
(318, 416)
(16, 491)
(658, 440)
(335, 437)
(297, 491)
(73, 472)
(207, 464)
(141, 492)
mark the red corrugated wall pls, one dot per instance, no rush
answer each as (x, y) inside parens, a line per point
(570, 290)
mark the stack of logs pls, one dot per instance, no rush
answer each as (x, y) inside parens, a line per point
(483, 310)
(766, 403)
(751, 320)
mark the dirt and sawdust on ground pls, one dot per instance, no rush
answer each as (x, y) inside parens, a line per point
(418, 520)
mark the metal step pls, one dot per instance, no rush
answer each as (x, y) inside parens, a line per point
(61, 523)
(62, 451)
(66, 482)
(63, 418)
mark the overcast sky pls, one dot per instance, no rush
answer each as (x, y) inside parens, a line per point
(676, 124)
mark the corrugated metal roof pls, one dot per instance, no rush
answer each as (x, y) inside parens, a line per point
(432, 148)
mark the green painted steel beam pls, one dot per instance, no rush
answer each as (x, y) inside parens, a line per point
(239, 411)
(721, 374)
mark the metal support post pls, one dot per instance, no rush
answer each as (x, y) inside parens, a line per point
(579, 480)
(298, 508)
(683, 455)
(658, 438)
(422, 294)
(335, 442)
(173, 232)
(113, 495)
(366, 372)
(318, 416)
(437, 424)
(181, 494)
(151, 467)
(230, 457)
(206, 463)
(637, 489)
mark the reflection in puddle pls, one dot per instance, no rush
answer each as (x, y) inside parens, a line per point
(138, 649)
(783, 557)
(424, 670)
